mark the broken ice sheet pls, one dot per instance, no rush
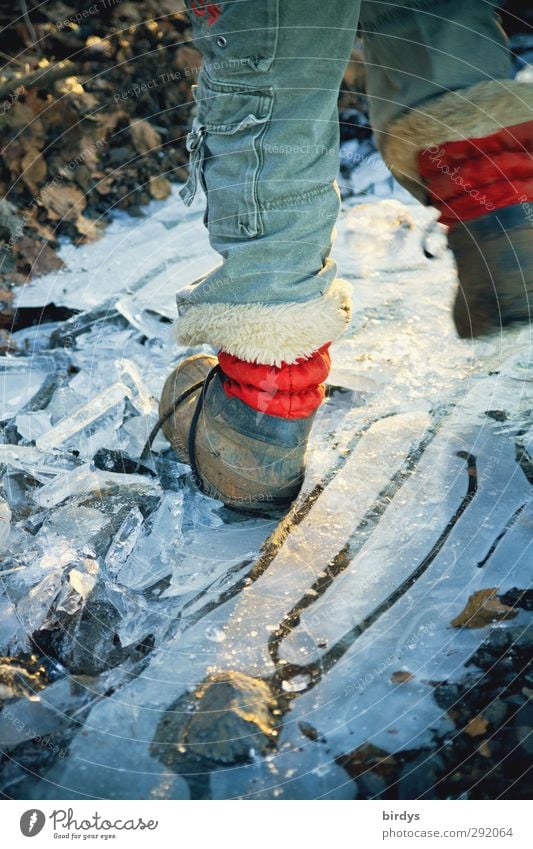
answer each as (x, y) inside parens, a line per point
(34, 608)
(62, 402)
(85, 480)
(9, 624)
(99, 346)
(58, 703)
(212, 546)
(134, 433)
(100, 434)
(83, 416)
(5, 519)
(157, 545)
(145, 321)
(117, 262)
(20, 380)
(81, 581)
(139, 396)
(88, 444)
(41, 554)
(124, 541)
(33, 425)
(78, 523)
(18, 488)
(41, 466)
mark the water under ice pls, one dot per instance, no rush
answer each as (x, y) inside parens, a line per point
(133, 582)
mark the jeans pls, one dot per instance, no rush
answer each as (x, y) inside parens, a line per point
(264, 143)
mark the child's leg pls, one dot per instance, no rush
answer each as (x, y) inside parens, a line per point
(265, 147)
(458, 133)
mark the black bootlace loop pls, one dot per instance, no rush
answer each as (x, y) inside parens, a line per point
(203, 384)
(165, 417)
(194, 425)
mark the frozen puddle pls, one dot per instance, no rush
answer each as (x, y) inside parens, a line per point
(166, 647)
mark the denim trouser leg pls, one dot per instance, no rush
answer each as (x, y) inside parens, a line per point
(412, 54)
(265, 147)
(420, 57)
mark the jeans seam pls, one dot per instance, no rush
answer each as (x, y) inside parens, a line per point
(296, 197)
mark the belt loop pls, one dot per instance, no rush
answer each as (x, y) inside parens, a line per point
(195, 146)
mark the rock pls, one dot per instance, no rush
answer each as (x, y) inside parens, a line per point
(145, 138)
(419, 778)
(447, 695)
(508, 643)
(7, 343)
(8, 220)
(484, 749)
(354, 75)
(524, 734)
(308, 730)
(518, 598)
(160, 188)
(86, 643)
(495, 712)
(368, 758)
(370, 785)
(477, 726)
(228, 719)
(524, 715)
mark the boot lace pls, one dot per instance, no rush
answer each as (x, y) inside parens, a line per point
(164, 417)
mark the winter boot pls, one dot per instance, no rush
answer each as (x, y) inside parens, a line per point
(470, 154)
(244, 427)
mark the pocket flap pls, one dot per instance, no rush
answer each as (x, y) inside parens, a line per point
(226, 108)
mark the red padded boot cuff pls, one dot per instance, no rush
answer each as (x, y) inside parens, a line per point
(288, 391)
(472, 177)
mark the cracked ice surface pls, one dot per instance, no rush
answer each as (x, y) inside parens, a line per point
(132, 586)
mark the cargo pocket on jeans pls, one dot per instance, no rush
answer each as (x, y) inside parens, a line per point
(226, 155)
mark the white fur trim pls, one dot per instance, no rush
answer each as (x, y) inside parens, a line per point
(268, 334)
(468, 113)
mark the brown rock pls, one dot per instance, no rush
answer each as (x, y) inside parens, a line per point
(229, 715)
(159, 188)
(33, 169)
(144, 137)
(63, 202)
(477, 726)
